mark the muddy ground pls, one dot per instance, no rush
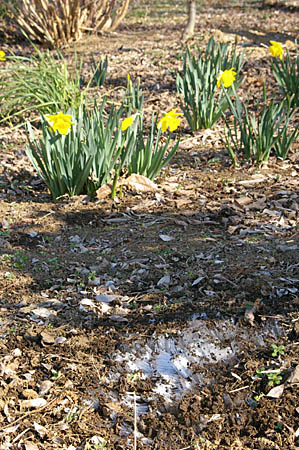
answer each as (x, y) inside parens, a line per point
(164, 319)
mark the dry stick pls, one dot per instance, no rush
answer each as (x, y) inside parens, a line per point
(91, 10)
(37, 23)
(58, 21)
(20, 435)
(63, 20)
(71, 5)
(49, 27)
(33, 15)
(106, 19)
(44, 5)
(99, 13)
(54, 25)
(66, 19)
(135, 422)
(238, 389)
(59, 17)
(108, 13)
(29, 413)
(76, 20)
(120, 15)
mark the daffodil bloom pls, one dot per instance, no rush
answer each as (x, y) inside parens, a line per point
(2, 55)
(127, 122)
(60, 122)
(170, 120)
(276, 49)
(227, 77)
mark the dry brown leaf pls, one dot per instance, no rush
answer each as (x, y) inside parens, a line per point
(114, 406)
(47, 338)
(104, 191)
(30, 394)
(45, 386)
(243, 201)
(139, 183)
(249, 313)
(182, 202)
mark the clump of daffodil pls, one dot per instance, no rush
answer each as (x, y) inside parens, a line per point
(60, 122)
(2, 55)
(227, 77)
(170, 120)
(276, 49)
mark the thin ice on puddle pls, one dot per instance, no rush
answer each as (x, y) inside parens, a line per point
(169, 359)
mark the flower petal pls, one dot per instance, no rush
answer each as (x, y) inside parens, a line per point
(126, 123)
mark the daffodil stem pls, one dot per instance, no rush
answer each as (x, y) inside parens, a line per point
(113, 193)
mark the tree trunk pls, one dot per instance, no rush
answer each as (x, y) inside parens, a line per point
(189, 28)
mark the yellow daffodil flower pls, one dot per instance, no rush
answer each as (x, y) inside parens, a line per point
(60, 122)
(170, 120)
(127, 122)
(276, 49)
(227, 77)
(2, 55)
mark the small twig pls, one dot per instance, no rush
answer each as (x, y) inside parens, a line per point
(135, 422)
(29, 413)
(20, 435)
(239, 389)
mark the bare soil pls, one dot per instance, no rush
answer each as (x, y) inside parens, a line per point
(84, 281)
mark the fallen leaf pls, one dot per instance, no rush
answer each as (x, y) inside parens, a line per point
(60, 340)
(11, 429)
(294, 376)
(87, 302)
(34, 403)
(30, 393)
(166, 238)
(164, 281)
(117, 318)
(104, 191)
(103, 298)
(139, 183)
(114, 406)
(44, 387)
(47, 338)
(17, 352)
(179, 203)
(249, 313)
(42, 431)
(104, 307)
(276, 392)
(44, 313)
(31, 446)
(243, 201)
(198, 280)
